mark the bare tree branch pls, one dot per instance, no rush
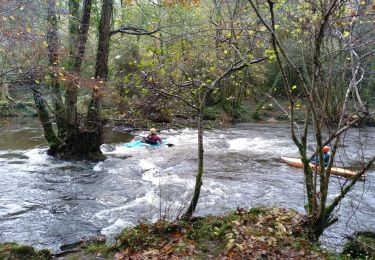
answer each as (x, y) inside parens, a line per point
(167, 94)
(348, 188)
(131, 30)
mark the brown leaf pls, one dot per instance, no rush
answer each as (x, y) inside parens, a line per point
(151, 252)
(168, 249)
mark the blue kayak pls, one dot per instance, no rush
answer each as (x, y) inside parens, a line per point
(139, 143)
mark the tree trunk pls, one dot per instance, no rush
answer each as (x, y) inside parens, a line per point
(46, 122)
(101, 71)
(85, 143)
(82, 35)
(53, 61)
(76, 144)
(93, 121)
(198, 179)
(78, 48)
(73, 30)
(71, 88)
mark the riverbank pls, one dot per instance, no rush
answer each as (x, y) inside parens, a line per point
(215, 117)
(17, 109)
(258, 233)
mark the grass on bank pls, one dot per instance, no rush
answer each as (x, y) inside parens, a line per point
(10, 251)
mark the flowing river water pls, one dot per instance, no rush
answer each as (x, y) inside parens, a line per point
(46, 203)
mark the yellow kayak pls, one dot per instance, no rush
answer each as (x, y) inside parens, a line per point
(334, 170)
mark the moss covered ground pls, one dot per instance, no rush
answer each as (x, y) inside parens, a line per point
(10, 251)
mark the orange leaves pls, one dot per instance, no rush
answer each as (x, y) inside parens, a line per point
(185, 3)
(128, 2)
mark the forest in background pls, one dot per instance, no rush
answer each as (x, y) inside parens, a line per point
(83, 61)
(167, 44)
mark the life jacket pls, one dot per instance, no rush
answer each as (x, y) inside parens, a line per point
(153, 139)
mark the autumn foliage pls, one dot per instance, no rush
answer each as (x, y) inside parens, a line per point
(257, 233)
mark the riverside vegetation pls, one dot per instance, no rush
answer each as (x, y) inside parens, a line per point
(258, 233)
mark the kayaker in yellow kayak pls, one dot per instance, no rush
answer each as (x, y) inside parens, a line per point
(315, 160)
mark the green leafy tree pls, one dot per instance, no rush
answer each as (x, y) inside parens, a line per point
(17, 37)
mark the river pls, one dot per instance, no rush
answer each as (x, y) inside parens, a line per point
(46, 203)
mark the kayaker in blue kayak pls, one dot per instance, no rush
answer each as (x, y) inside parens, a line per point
(152, 137)
(315, 161)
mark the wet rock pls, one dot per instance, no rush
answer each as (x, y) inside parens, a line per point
(75, 246)
(97, 239)
(71, 246)
(16, 162)
(14, 156)
(121, 156)
(123, 129)
(272, 120)
(108, 147)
